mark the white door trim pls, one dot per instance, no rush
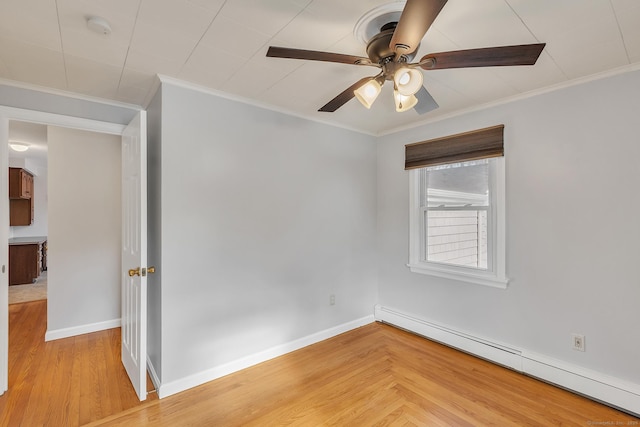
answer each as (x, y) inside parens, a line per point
(44, 118)
(7, 114)
(4, 256)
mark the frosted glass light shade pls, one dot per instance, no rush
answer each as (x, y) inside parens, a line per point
(368, 92)
(18, 147)
(404, 102)
(408, 80)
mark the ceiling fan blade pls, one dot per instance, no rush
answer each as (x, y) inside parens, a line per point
(416, 18)
(314, 55)
(426, 102)
(344, 96)
(526, 54)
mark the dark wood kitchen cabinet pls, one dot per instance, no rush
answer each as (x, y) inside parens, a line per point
(21, 203)
(24, 263)
(27, 259)
(20, 184)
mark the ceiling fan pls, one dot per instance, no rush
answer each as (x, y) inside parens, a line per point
(393, 49)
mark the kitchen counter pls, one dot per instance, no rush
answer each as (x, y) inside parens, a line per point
(27, 240)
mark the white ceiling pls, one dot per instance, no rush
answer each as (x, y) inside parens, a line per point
(221, 44)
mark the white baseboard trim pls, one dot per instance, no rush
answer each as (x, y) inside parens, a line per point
(185, 383)
(57, 334)
(152, 372)
(604, 388)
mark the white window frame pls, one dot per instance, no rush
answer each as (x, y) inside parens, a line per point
(495, 274)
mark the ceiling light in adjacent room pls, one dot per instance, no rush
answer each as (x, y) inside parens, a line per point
(98, 25)
(17, 146)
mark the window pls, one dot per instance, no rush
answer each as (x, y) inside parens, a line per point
(457, 221)
(454, 209)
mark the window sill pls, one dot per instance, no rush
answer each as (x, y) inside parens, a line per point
(463, 276)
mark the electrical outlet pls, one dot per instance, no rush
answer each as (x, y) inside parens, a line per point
(332, 299)
(578, 342)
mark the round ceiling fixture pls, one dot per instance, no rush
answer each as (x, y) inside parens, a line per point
(372, 22)
(98, 25)
(18, 146)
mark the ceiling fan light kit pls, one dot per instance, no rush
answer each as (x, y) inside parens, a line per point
(404, 102)
(393, 48)
(368, 92)
(408, 81)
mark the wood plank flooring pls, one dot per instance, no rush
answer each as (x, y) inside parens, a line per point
(66, 382)
(373, 376)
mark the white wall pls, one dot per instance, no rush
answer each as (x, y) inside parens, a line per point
(84, 229)
(264, 216)
(572, 170)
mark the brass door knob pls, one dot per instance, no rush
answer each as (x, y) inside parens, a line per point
(151, 270)
(134, 272)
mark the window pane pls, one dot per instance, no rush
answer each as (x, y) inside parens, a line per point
(455, 199)
(456, 184)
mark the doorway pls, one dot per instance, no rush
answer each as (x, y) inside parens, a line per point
(78, 220)
(28, 231)
(77, 310)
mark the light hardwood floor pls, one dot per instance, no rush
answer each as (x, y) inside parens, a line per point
(66, 382)
(374, 375)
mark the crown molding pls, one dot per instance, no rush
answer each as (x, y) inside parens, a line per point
(220, 94)
(157, 82)
(525, 95)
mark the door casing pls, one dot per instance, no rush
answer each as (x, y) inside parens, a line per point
(7, 114)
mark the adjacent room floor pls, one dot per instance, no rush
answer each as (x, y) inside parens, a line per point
(29, 292)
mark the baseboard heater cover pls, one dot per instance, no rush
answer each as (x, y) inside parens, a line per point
(486, 349)
(592, 384)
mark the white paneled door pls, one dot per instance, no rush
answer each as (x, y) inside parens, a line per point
(134, 253)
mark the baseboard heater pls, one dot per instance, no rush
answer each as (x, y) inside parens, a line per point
(609, 390)
(486, 349)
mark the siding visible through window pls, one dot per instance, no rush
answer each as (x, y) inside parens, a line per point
(457, 237)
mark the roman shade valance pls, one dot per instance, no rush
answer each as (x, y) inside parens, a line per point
(473, 145)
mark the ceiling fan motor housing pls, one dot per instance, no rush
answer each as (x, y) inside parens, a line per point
(379, 51)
